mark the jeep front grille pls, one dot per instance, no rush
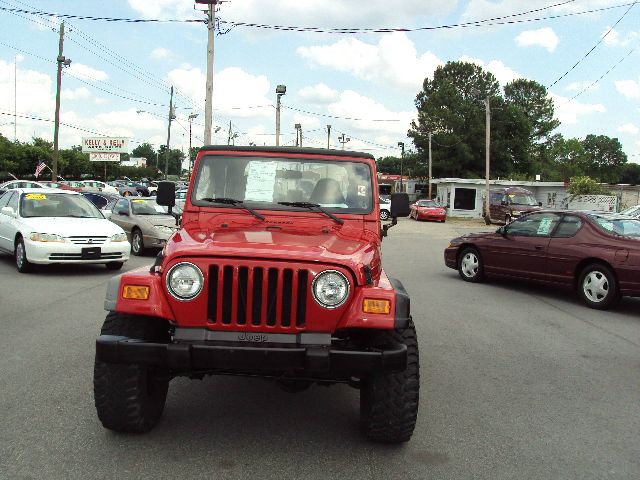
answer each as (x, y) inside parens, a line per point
(260, 296)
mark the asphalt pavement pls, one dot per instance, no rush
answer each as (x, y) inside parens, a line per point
(517, 381)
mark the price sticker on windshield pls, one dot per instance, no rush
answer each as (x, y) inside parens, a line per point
(36, 196)
(545, 226)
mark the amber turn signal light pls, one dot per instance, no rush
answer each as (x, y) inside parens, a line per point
(135, 292)
(369, 305)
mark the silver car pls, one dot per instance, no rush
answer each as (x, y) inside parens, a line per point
(147, 224)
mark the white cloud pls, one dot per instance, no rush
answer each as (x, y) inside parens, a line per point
(319, 94)
(543, 37)
(502, 73)
(579, 86)
(628, 88)
(85, 72)
(614, 39)
(629, 128)
(160, 53)
(568, 111)
(79, 93)
(394, 61)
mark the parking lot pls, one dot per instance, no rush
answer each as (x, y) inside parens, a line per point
(517, 381)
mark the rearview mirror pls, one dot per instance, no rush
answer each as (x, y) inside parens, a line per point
(166, 194)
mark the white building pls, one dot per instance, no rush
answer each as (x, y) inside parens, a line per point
(138, 162)
(465, 197)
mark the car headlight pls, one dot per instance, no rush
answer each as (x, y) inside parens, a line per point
(46, 237)
(330, 289)
(119, 237)
(164, 229)
(516, 212)
(185, 281)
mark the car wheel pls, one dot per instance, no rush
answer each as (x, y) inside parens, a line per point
(114, 265)
(22, 264)
(598, 286)
(389, 401)
(470, 265)
(384, 214)
(507, 219)
(137, 242)
(131, 397)
(126, 193)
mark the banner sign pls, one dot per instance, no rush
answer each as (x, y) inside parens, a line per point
(104, 157)
(105, 144)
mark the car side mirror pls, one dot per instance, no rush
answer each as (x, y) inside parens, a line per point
(8, 211)
(539, 204)
(399, 208)
(501, 231)
(166, 194)
(504, 202)
(106, 214)
(122, 211)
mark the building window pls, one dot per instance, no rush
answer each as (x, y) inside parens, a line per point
(465, 199)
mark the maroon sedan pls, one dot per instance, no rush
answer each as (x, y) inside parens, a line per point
(428, 210)
(597, 254)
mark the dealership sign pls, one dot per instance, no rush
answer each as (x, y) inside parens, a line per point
(104, 157)
(105, 144)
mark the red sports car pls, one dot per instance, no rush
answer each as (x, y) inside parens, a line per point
(598, 254)
(428, 210)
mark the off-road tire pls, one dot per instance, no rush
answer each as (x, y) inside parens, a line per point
(114, 265)
(23, 265)
(467, 259)
(137, 242)
(130, 397)
(389, 401)
(384, 215)
(599, 296)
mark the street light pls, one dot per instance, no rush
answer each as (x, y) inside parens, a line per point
(401, 145)
(280, 91)
(342, 139)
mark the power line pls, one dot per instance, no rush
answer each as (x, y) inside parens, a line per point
(595, 46)
(342, 118)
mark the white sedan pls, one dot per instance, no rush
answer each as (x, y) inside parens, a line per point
(96, 185)
(39, 226)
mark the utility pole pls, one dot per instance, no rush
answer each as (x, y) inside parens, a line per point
(191, 117)
(229, 136)
(487, 215)
(328, 136)
(342, 139)
(61, 62)
(211, 30)
(171, 117)
(280, 91)
(15, 98)
(429, 165)
(298, 128)
(401, 145)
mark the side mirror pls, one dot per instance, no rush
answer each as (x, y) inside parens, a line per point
(539, 204)
(504, 202)
(400, 205)
(106, 214)
(166, 194)
(8, 211)
(501, 231)
(122, 211)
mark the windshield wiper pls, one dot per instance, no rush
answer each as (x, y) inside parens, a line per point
(235, 203)
(314, 207)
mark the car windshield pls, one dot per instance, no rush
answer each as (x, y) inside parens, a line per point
(627, 227)
(57, 205)
(337, 186)
(150, 207)
(522, 199)
(428, 203)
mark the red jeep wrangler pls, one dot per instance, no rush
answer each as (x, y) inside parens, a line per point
(275, 272)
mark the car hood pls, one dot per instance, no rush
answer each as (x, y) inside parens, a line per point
(67, 226)
(472, 237)
(329, 246)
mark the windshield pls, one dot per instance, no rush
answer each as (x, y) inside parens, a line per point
(57, 205)
(337, 186)
(150, 207)
(522, 199)
(428, 203)
(627, 227)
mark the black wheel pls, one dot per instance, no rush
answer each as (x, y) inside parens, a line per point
(384, 214)
(114, 265)
(137, 242)
(598, 287)
(126, 193)
(22, 264)
(470, 265)
(389, 401)
(131, 397)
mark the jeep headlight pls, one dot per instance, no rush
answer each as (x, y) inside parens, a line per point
(330, 289)
(185, 281)
(46, 237)
(119, 237)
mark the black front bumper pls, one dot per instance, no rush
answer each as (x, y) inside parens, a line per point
(230, 357)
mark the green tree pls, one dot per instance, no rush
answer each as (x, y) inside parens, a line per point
(630, 173)
(147, 151)
(604, 157)
(586, 186)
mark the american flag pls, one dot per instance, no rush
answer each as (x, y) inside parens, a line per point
(39, 168)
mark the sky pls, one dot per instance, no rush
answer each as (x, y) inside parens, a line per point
(361, 83)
